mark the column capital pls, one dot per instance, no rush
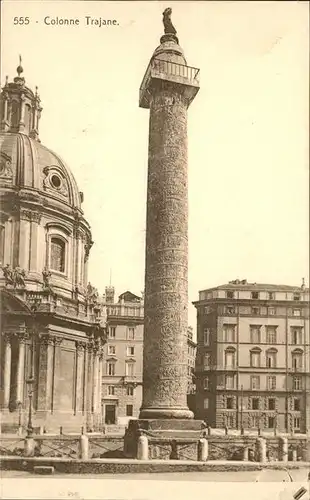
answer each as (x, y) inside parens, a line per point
(45, 339)
(57, 341)
(23, 337)
(80, 347)
(8, 337)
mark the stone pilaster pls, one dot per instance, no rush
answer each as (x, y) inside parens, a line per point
(7, 369)
(45, 375)
(89, 399)
(80, 353)
(95, 380)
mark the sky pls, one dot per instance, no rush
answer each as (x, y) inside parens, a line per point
(247, 130)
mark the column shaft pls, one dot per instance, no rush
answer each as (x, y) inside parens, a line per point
(20, 370)
(166, 294)
(7, 371)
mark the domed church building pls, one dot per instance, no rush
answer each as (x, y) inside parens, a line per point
(53, 324)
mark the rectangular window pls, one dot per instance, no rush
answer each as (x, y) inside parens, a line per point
(296, 296)
(229, 382)
(112, 330)
(111, 390)
(130, 351)
(254, 295)
(130, 369)
(296, 404)
(271, 404)
(131, 333)
(206, 383)
(271, 382)
(256, 421)
(111, 349)
(271, 360)
(255, 311)
(296, 312)
(111, 369)
(255, 359)
(207, 309)
(130, 390)
(229, 359)
(271, 422)
(296, 335)
(271, 296)
(271, 334)
(297, 361)
(129, 410)
(255, 334)
(229, 403)
(229, 333)
(296, 423)
(230, 310)
(230, 295)
(271, 311)
(206, 360)
(297, 384)
(206, 336)
(255, 404)
(206, 403)
(230, 421)
(255, 382)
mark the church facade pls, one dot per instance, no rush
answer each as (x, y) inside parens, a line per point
(53, 324)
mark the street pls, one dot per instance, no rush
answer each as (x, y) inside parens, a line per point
(263, 485)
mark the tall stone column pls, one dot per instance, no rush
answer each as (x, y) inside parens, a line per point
(95, 380)
(7, 369)
(167, 94)
(90, 368)
(80, 350)
(21, 366)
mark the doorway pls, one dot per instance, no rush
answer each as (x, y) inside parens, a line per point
(110, 414)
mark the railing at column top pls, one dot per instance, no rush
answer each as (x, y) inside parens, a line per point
(159, 68)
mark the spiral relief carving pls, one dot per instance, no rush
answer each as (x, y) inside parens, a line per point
(166, 296)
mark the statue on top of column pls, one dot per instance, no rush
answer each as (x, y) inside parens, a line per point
(169, 28)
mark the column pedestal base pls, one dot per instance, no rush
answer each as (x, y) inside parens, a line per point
(168, 439)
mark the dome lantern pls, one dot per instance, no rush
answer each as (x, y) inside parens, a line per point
(20, 107)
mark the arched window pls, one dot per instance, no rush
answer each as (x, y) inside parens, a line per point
(271, 358)
(58, 255)
(230, 357)
(297, 359)
(255, 355)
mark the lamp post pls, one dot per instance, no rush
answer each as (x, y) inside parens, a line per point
(29, 383)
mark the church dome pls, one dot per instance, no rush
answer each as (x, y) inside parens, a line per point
(43, 232)
(27, 164)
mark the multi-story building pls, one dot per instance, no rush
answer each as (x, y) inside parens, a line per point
(191, 360)
(253, 360)
(123, 355)
(123, 358)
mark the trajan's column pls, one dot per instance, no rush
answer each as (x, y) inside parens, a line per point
(168, 88)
